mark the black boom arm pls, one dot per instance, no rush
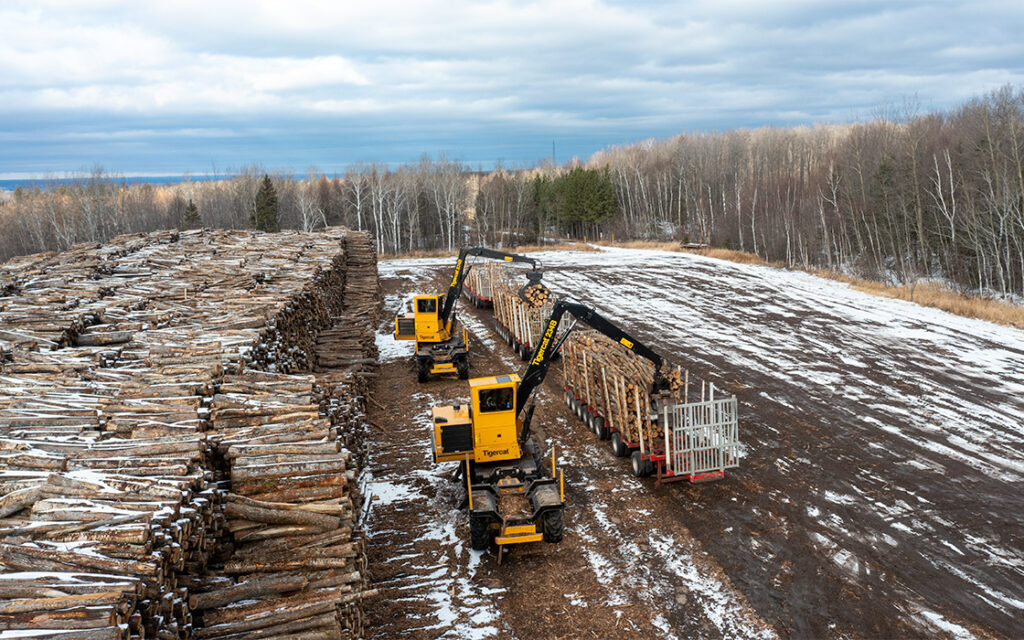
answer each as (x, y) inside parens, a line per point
(547, 348)
(455, 288)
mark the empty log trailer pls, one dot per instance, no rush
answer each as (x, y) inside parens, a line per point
(669, 425)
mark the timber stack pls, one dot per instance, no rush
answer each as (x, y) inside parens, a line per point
(126, 372)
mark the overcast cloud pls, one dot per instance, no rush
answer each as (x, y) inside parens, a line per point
(142, 87)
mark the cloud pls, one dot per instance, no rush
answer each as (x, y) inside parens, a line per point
(473, 78)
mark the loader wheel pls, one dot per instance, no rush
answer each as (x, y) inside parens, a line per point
(552, 526)
(422, 369)
(619, 447)
(462, 367)
(479, 533)
(600, 428)
(641, 468)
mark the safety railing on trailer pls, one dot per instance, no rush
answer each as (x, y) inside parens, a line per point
(702, 437)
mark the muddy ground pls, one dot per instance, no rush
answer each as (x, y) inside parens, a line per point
(871, 501)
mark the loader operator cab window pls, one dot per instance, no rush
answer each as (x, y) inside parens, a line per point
(426, 305)
(499, 399)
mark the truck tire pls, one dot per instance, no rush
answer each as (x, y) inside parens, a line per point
(600, 428)
(619, 447)
(568, 398)
(552, 526)
(422, 369)
(479, 533)
(641, 468)
(462, 367)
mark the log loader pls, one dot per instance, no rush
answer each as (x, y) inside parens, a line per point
(513, 494)
(441, 347)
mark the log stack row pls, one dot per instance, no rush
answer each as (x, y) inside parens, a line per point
(113, 478)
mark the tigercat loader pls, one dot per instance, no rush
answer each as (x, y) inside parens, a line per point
(441, 345)
(515, 494)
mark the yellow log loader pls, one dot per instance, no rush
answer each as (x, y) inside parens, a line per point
(514, 494)
(442, 345)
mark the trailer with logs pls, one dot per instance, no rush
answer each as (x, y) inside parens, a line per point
(520, 313)
(668, 424)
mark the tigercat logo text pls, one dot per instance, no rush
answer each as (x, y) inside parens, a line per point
(499, 452)
(552, 325)
(458, 268)
(626, 343)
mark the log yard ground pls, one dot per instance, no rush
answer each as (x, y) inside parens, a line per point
(878, 492)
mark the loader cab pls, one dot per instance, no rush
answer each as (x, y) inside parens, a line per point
(495, 428)
(423, 323)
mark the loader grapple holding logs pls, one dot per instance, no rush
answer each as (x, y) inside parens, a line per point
(164, 471)
(684, 431)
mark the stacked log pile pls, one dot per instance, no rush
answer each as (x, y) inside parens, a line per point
(297, 565)
(351, 339)
(114, 480)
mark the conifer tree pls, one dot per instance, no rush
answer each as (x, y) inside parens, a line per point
(265, 211)
(191, 219)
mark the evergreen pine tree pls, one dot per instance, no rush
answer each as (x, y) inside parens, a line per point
(191, 219)
(264, 215)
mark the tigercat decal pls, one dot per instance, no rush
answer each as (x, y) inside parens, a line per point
(458, 267)
(626, 343)
(542, 349)
(491, 454)
(509, 258)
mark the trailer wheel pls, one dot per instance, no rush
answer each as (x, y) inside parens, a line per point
(422, 369)
(552, 526)
(479, 533)
(600, 428)
(568, 398)
(618, 446)
(525, 353)
(641, 468)
(462, 368)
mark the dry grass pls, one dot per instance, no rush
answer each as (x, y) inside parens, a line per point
(938, 296)
(743, 257)
(641, 244)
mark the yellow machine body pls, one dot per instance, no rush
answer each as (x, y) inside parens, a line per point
(486, 429)
(423, 323)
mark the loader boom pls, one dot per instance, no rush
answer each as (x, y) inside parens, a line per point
(455, 288)
(548, 347)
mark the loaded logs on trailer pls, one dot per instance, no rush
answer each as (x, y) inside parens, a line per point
(520, 310)
(116, 481)
(669, 423)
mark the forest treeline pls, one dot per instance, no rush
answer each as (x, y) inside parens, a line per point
(894, 198)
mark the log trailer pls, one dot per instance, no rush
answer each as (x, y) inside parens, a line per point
(514, 495)
(441, 345)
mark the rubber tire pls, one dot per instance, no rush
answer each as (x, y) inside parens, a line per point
(601, 428)
(568, 398)
(422, 370)
(641, 468)
(462, 368)
(552, 526)
(525, 353)
(589, 418)
(581, 411)
(479, 533)
(619, 448)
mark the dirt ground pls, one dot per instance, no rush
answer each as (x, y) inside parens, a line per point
(834, 525)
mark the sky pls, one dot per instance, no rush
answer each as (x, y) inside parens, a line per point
(154, 88)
